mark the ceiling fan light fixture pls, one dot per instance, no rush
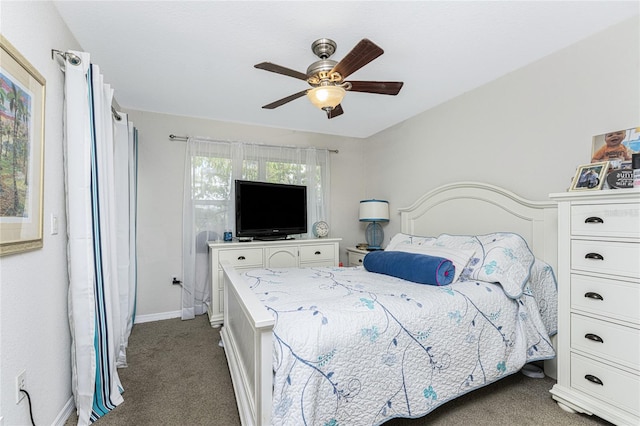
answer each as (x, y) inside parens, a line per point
(326, 97)
(327, 77)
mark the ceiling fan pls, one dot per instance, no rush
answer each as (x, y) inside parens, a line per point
(327, 77)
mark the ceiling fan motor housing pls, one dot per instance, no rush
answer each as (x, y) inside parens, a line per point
(324, 65)
(322, 48)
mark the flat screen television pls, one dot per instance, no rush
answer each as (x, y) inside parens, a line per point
(267, 211)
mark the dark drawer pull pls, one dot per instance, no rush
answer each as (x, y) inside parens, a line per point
(241, 258)
(593, 337)
(592, 295)
(593, 219)
(594, 256)
(594, 379)
(317, 253)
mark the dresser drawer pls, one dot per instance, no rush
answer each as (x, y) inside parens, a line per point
(606, 257)
(618, 388)
(600, 296)
(317, 253)
(356, 259)
(242, 258)
(606, 220)
(613, 342)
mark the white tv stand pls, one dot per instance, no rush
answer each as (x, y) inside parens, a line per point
(265, 254)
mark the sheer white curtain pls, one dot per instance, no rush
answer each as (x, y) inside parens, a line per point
(125, 137)
(99, 174)
(211, 168)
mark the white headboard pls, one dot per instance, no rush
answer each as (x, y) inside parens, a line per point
(473, 208)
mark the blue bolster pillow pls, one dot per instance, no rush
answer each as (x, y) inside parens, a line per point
(419, 268)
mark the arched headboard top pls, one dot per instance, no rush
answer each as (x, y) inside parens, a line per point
(474, 208)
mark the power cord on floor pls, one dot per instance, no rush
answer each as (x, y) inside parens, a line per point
(30, 411)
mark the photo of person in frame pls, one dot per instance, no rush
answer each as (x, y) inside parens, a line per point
(590, 176)
(616, 147)
(588, 179)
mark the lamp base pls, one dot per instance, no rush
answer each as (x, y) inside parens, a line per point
(374, 236)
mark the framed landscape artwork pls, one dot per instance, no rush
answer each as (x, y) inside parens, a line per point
(22, 95)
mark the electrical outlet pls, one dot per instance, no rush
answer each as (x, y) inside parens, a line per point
(21, 383)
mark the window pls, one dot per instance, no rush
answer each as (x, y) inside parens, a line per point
(211, 168)
(212, 174)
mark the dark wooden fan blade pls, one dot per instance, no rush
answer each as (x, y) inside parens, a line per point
(364, 52)
(283, 101)
(379, 87)
(278, 69)
(335, 112)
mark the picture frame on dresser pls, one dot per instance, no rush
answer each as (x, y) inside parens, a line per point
(589, 177)
(616, 146)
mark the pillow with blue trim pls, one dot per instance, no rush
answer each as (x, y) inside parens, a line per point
(501, 257)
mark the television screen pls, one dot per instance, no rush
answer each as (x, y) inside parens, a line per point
(270, 210)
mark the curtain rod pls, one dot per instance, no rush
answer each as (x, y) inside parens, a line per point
(74, 59)
(184, 138)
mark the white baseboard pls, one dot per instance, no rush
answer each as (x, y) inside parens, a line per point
(66, 412)
(157, 317)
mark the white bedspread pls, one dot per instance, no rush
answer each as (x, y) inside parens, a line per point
(357, 348)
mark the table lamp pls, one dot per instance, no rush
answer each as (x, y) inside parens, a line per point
(374, 211)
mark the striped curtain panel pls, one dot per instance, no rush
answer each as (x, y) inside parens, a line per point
(100, 163)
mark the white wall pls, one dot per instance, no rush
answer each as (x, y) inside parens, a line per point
(33, 291)
(527, 131)
(160, 177)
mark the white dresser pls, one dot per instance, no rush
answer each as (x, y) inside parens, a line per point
(266, 254)
(599, 304)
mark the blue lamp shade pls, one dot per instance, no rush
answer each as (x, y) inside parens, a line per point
(374, 211)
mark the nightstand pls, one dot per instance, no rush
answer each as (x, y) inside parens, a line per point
(356, 256)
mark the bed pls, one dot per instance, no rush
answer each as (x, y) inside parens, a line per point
(291, 364)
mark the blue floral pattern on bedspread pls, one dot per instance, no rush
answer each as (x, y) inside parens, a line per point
(358, 348)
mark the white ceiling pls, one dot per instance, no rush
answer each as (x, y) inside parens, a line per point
(195, 58)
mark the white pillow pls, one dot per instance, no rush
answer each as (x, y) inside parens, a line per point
(406, 240)
(460, 258)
